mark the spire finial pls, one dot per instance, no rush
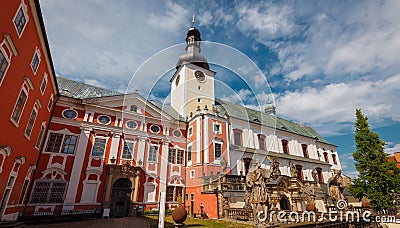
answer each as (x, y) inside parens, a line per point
(193, 21)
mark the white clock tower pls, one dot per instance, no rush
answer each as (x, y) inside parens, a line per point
(192, 85)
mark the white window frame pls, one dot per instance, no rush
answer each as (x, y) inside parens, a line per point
(122, 149)
(50, 104)
(155, 132)
(35, 109)
(48, 194)
(36, 53)
(108, 123)
(105, 146)
(191, 174)
(16, 123)
(126, 124)
(175, 154)
(220, 128)
(177, 130)
(63, 132)
(45, 80)
(156, 153)
(40, 135)
(216, 141)
(69, 109)
(25, 11)
(3, 52)
(190, 151)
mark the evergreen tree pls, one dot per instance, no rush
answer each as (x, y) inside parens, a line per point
(378, 177)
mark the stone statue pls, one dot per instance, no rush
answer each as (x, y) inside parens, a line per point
(274, 170)
(336, 187)
(257, 196)
(314, 174)
(293, 170)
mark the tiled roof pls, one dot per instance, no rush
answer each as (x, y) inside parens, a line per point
(253, 116)
(79, 90)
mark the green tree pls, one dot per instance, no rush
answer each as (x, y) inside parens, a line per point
(378, 177)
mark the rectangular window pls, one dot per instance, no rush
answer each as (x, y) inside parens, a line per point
(3, 65)
(54, 142)
(20, 21)
(39, 139)
(304, 147)
(217, 128)
(23, 191)
(217, 150)
(43, 85)
(189, 153)
(31, 122)
(127, 150)
(48, 191)
(237, 136)
(16, 115)
(69, 144)
(285, 146)
(191, 174)
(11, 181)
(153, 149)
(35, 62)
(179, 157)
(171, 155)
(334, 159)
(99, 147)
(190, 131)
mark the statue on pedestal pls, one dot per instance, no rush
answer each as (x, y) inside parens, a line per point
(336, 187)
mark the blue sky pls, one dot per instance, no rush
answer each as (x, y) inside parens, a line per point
(322, 59)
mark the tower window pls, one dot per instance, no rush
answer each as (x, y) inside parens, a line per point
(199, 100)
(199, 87)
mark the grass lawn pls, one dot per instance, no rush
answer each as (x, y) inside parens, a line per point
(194, 222)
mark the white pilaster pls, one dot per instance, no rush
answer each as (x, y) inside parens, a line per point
(140, 152)
(206, 145)
(163, 168)
(114, 147)
(76, 170)
(198, 141)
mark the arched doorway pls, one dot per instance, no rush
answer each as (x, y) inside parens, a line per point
(284, 203)
(121, 198)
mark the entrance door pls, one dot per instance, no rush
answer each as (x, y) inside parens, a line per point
(121, 198)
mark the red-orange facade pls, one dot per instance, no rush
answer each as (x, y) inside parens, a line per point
(28, 91)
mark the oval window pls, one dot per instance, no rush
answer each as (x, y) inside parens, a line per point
(154, 128)
(70, 114)
(131, 124)
(104, 119)
(200, 76)
(177, 133)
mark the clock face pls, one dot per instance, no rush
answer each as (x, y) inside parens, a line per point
(200, 76)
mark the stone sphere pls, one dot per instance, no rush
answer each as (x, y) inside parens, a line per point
(179, 215)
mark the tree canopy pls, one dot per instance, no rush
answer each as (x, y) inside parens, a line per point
(378, 177)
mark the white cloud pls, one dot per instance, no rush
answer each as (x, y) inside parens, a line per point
(174, 17)
(267, 19)
(336, 103)
(391, 148)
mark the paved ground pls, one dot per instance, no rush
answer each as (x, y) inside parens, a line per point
(112, 222)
